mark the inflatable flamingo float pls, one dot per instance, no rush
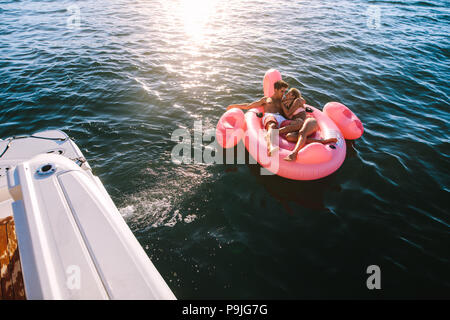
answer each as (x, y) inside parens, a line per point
(315, 160)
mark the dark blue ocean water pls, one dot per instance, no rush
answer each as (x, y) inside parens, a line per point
(120, 76)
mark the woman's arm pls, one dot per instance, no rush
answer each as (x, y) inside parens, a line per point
(286, 112)
(297, 104)
(247, 106)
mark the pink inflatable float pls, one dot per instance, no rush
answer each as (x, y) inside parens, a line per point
(349, 124)
(314, 161)
(230, 128)
(270, 78)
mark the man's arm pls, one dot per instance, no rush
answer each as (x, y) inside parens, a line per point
(247, 106)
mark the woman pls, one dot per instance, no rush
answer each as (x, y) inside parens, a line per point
(299, 126)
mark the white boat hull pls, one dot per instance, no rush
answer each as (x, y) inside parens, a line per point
(73, 242)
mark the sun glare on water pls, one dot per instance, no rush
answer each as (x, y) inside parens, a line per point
(196, 15)
(193, 16)
(196, 26)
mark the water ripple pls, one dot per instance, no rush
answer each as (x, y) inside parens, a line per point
(131, 74)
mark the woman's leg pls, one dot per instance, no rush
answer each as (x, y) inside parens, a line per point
(322, 141)
(293, 137)
(309, 127)
(293, 126)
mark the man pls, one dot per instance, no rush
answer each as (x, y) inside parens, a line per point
(272, 113)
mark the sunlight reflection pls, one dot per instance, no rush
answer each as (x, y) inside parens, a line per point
(200, 22)
(197, 27)
(196, 15)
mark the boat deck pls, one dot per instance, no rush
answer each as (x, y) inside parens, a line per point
(11, 279)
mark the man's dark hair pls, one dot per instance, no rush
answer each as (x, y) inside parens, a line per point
(280, 84)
